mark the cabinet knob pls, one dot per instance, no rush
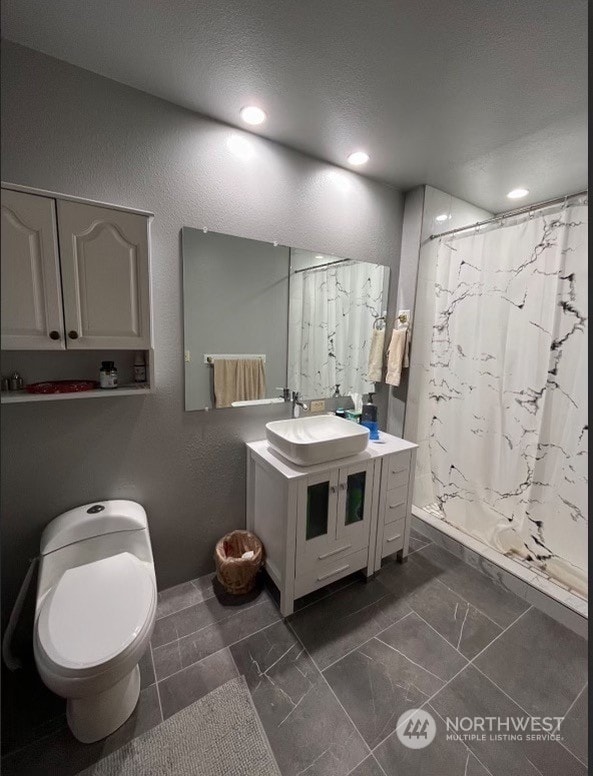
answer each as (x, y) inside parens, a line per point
(54, 335)
(342, 486)
(332, 488)
(73, 334)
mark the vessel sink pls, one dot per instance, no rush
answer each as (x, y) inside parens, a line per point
(317, 439)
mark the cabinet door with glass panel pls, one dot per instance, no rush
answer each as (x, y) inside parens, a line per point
(354, 505)
(334, 513)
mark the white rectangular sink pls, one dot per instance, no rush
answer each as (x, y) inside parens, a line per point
(317, 439)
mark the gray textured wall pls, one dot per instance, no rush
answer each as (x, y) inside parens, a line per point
(68, 130)
(406, 296)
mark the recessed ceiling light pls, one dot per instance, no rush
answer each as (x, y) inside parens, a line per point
(253, 115)
(442, 217)
(358, 157)
(518, 193)
(319, 256)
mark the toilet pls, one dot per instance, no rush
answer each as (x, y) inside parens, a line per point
(95, 612)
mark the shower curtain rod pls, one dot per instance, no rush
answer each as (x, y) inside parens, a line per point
(510, 214)
(321, 266)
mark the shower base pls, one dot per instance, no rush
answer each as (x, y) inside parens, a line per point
(519, 576)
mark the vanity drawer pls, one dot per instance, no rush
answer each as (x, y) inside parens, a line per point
(396, 502)
(322, 572)
(393, 537)
(398, 470)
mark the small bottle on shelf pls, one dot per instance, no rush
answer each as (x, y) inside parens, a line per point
(139, 367)
(108, 375)
(16, 382)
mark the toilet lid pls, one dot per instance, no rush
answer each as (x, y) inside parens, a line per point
(95, 611)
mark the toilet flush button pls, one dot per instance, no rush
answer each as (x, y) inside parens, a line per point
(94, 509)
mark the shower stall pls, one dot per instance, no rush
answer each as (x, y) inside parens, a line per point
(497, 393)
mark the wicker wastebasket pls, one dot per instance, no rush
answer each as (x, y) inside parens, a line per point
(236, 574)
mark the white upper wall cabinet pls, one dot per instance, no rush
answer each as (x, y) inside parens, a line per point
(75, 275)
(104, 258)
(31, 292)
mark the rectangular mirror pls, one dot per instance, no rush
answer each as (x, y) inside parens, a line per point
(235, 301)
(259, 318)
(335, 305)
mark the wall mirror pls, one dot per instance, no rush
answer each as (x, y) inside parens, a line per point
(235, 301)
(259, 318)
(335, 306)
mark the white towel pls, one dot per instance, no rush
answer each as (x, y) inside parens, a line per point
(397, 355)
(376, 356)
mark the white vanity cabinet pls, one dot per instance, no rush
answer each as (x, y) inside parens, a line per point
(323, 522)
(75, 275)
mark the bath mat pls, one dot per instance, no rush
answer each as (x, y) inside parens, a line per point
(218, 735)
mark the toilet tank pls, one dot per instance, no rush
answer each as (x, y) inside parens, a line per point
(89, 533)
(98, 518)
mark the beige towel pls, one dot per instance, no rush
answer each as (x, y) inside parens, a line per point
(376, 356)
(397, 355)
(238, 379)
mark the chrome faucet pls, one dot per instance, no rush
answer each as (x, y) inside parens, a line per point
(296, 402)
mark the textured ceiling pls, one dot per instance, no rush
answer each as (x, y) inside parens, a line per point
(471, 96)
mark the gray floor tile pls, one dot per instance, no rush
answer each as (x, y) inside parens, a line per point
(376, 684)
(187, 594)
(403, 579)
(326, 591)
(485, 594)
(60, 754)
(193, 618)
(29, 709)
(368, 767)
(420, 643)
(541, 664)
(146, 670)
(466, 628)
(338, 624)
(417, 541)
(306, 726)
(472, 694)
(440, 758)
(188, 650)
(575, 728)
(190, 684)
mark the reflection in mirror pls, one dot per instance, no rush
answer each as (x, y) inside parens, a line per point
(235, 295)
(337, 306)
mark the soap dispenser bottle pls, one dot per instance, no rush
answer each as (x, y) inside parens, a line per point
(369, 410)
(369, 418)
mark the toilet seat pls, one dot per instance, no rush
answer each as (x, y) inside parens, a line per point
(96, 613)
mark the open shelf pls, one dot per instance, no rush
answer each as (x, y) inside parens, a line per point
(19, 397)
(41, 366)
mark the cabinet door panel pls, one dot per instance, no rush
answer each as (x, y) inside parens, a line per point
(317, 516)
(354, 504)
(104, 256)
(31, 293)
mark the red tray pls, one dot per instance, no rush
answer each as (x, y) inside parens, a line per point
(62, 386)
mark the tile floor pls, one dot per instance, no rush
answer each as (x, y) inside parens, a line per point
(330, 683)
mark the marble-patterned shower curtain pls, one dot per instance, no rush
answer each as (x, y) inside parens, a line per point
(332, 311)
(506, 399)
